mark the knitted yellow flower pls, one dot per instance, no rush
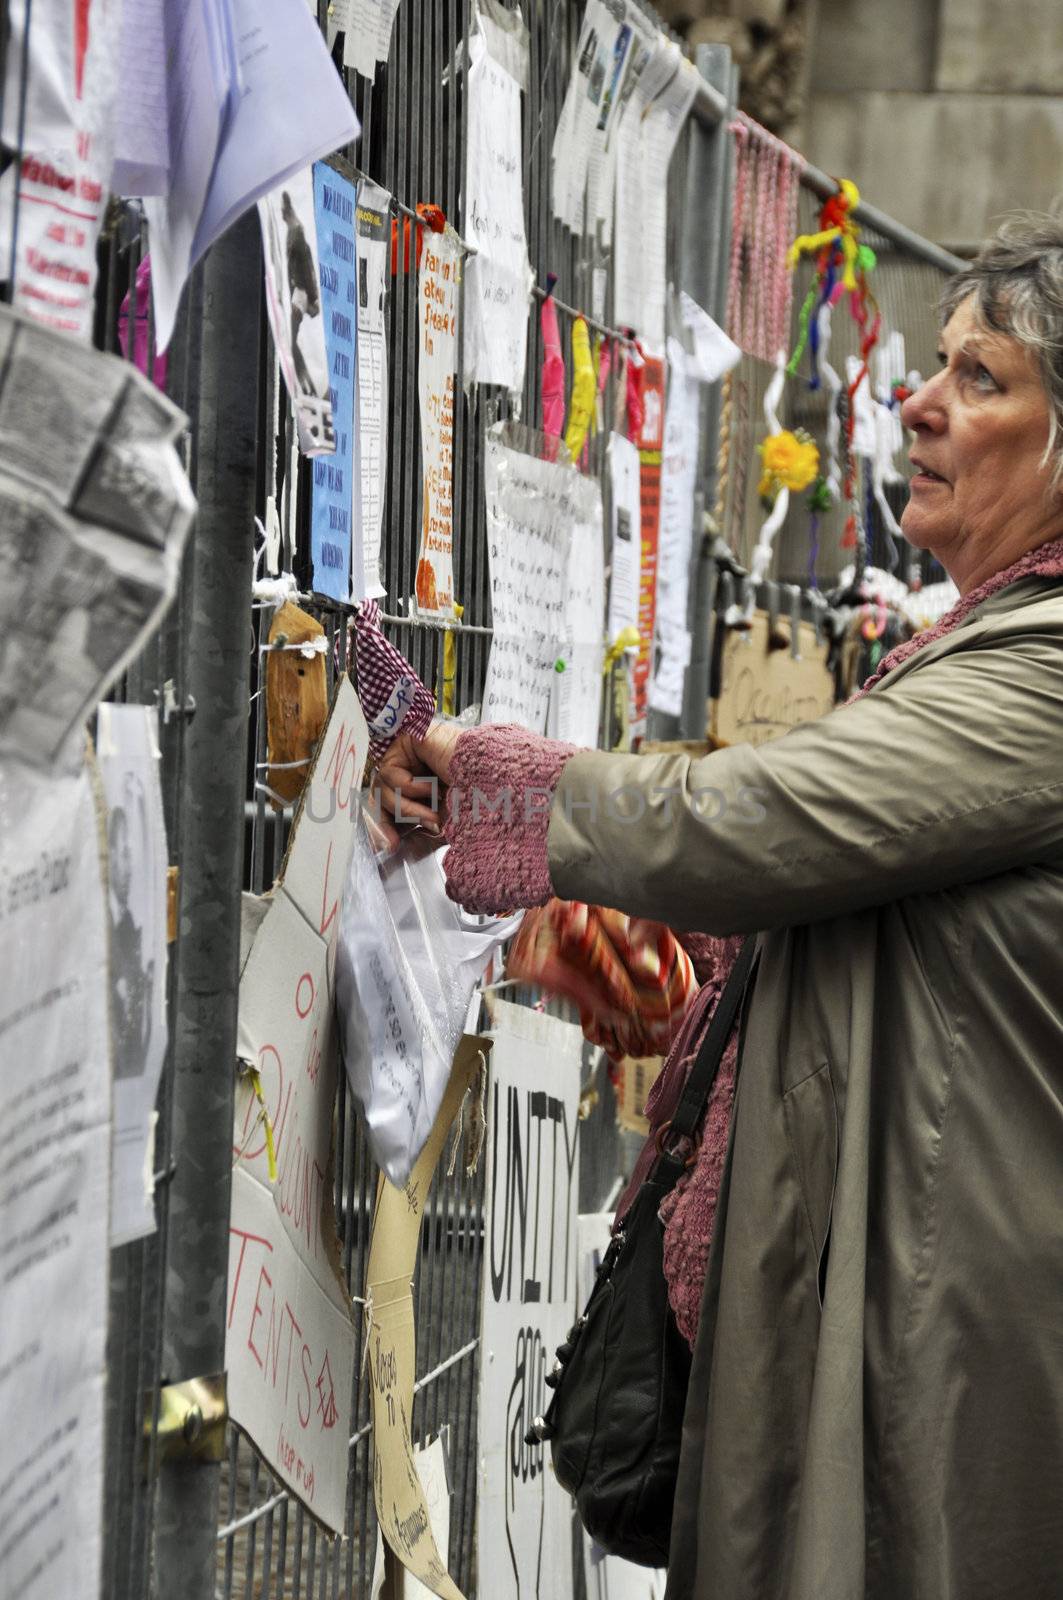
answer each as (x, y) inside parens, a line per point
(789, 460)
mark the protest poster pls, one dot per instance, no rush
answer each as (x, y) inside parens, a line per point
(54, 1187)
(432, 1469)
(290, 1342)
(128, 754)
(332, 493)
(531, 1251)
(372, 225)
(439, 290)
(293, 303)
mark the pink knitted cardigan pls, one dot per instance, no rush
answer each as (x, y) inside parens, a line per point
(498, 862)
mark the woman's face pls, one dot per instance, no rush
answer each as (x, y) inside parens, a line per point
(979, 495)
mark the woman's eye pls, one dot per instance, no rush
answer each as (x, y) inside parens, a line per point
(985, 378)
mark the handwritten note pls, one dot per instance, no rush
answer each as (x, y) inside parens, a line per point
(333, 485)
(369, 25)
(439, 293)
(531, 511)
(531, 1251)
(372, 221)
(576, 686)
(290, 1343)
(499, 277)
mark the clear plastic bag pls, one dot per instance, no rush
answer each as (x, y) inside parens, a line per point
(407, 962)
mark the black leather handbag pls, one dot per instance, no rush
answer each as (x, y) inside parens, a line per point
(616, 1417)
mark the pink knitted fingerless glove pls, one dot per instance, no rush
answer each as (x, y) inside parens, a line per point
(502, 781)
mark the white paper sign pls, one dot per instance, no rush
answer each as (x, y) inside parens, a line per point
(626, 542)
(290, 1340)
(54, 1186)
(439, 284)
(679, 466)
(531, 511)
(714, 353)
(499, 277)
(373, 226)
(136, 896)
(368, 25)
(576, 687)
(531, 1249)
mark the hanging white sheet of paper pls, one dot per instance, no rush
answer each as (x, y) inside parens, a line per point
(293, 109)
(368, 29)
(679, 467)
(648, 137)
(136, 898)
(714, 353)
(498, 278)
(594, 69)
(373, 226)
(141, 139)
(626, 536)
(54, 1188)
(529, 529)
(576, 687)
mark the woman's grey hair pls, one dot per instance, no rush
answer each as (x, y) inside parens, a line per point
(1017, 281)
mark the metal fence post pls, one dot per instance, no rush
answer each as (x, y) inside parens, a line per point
(706, 255)
(211, 843)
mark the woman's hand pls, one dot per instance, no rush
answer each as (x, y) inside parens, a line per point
(412, 777)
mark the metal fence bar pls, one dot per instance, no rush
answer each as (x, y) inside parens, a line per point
(211, 854)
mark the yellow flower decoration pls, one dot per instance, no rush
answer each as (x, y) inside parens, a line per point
(789, 461)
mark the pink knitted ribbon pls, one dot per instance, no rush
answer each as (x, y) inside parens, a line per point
(553, 373)
(764, 223)
(391, 694)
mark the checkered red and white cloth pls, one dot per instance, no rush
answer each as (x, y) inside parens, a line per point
(391, 694)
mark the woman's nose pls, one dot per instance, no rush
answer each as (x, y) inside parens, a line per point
(925, 408)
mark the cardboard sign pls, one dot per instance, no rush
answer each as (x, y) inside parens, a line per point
(402, 1512)
(531, 1252)
(290, 1340)
(765, 693)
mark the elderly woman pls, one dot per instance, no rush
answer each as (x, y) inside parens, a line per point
(876, 1403)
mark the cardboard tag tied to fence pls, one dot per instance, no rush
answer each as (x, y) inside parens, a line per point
(391, 1335)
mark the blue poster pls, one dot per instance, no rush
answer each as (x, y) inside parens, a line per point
(332, 498)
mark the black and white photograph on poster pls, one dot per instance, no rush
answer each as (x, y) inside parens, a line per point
(128, 758)
(293, 300)
(530, 1273)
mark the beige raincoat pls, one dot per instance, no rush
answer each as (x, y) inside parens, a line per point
(876, 1406)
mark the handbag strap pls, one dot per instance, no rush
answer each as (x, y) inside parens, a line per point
(702, 1075)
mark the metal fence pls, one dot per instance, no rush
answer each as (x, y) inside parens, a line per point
(231, 1530)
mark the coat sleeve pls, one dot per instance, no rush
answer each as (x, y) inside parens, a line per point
(950, 775)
